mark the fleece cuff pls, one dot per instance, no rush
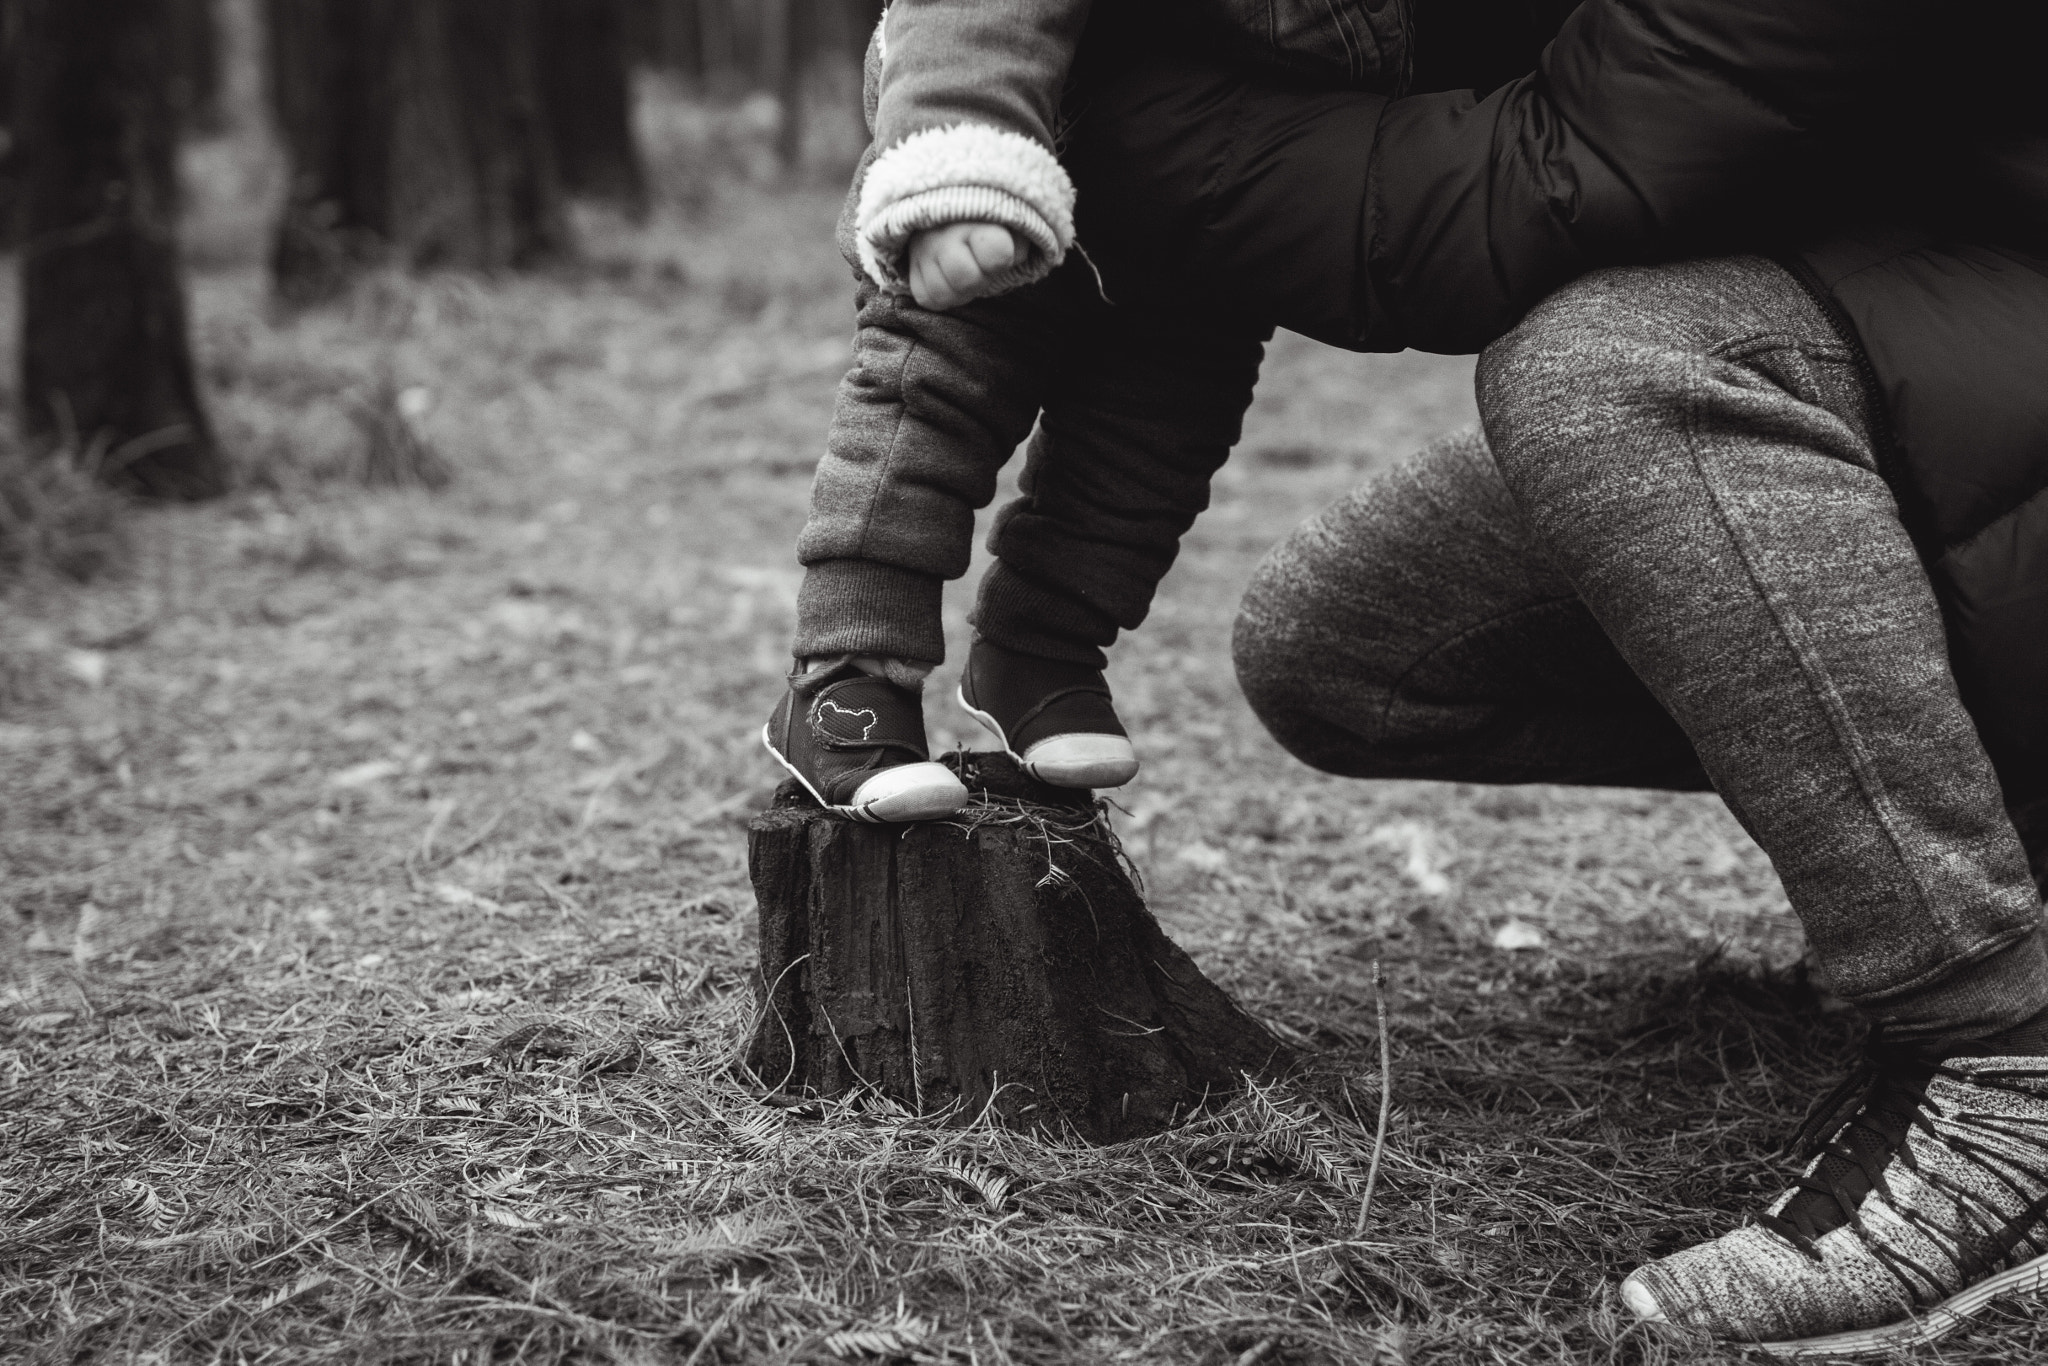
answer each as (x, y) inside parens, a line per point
(965, 173)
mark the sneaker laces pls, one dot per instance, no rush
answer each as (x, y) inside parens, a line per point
(1861, 1127)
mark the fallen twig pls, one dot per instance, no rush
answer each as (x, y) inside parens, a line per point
(1379, 1139)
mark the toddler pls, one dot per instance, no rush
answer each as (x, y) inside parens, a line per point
(978, 318)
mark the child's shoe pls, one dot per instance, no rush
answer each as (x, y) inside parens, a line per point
(857, 744)
(1055, 719)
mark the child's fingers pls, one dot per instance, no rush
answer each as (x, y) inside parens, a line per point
(928, 285)
(993, 248)
(957, 265)
(921, 280)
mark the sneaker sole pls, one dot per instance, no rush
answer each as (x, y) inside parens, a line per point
(1952, 1313)
(932, 796)
(1081, 769)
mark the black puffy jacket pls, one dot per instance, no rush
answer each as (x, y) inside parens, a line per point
(1895, 156)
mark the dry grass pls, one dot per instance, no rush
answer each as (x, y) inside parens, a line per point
(55, 518)
(380, 941)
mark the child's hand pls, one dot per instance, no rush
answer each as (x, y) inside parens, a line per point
(951, 265)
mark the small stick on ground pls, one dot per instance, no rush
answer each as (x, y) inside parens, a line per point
(1379, 1139)
(1259, 1351)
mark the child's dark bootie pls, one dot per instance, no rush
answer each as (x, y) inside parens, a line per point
(1056, 719)
(857, 743)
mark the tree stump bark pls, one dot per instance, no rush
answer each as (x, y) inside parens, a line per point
(1002, 962)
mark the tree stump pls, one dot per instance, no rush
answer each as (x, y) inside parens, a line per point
(1001, 962)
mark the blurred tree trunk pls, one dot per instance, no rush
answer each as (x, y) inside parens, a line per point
(861, 18)
(195, 64)
(718, 44)
(104, 356)
(10, 188)
(586, 87)
(416, 135)
(856, 26)
(782, 71)
(666, 34)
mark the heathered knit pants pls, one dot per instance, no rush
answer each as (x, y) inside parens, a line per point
(1677, 567)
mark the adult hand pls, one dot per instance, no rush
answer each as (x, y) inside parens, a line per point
(952, 265)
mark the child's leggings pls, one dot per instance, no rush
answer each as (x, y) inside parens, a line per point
(1136, 404)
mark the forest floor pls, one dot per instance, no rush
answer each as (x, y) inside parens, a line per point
(378, 938)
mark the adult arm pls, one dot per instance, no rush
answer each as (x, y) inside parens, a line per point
(1649, 128)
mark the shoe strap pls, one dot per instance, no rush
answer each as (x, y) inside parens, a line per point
(867, 713)
(1046, 702)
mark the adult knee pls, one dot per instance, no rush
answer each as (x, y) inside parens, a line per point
(1280, 648)
(1338, 615)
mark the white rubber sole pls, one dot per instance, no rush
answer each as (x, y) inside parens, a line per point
(1952, 1313)
(896, 796)
(1079, 761)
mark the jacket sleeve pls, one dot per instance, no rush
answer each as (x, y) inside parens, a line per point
(1650, 128)
(964, 120)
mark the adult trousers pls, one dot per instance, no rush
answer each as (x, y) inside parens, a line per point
(1671, 561)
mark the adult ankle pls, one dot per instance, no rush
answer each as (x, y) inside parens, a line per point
(2027, 1039)
(1991, 1007)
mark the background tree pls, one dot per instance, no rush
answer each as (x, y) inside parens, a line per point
(783, 32)
(105, 358)
(728, 46)
(10, 198)
(195, 60)
(666, 34)
(415, 133)
(587, 89)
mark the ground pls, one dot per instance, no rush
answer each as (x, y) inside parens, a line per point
(379, 940)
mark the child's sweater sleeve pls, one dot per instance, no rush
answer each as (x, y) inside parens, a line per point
(963, 116)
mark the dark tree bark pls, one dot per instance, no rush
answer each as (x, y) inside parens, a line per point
(667, 34)
(586, 87)
(195, 64)
(10, 183)
(1003, 962)
(416, 135)
(105, 357)
(861, 16)
(782, 71)
(847, 37)
(718, 45)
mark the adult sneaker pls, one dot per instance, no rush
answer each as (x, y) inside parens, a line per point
(857, 745)
(1056, 719)
(1929, 1201)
